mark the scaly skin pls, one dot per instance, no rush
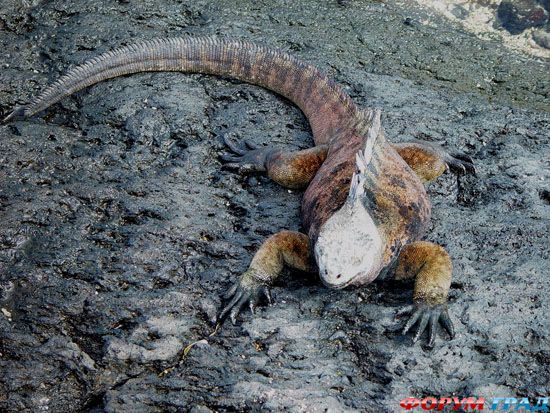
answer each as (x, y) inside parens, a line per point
(387, 201)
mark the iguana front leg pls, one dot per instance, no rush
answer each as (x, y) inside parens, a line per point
(429, 161)
(284, 248)
(432, 267)
(289, 169)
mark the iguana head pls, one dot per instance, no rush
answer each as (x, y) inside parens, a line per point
(349, 246)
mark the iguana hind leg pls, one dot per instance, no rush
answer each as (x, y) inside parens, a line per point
(429, 161)
(432, 267)
(289, 169)
(284, 248)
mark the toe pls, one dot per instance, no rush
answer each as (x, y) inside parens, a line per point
(237, 309)
(231, 166)
(470, 167)
(404, 311)
(267, 295)
(251, 145)
(232, 146)
(422, 326)
(230, 158)
(412, 321)
(461, 164)
(231, 292)
(446, 322)
(457, 167)
(231, 304)
(432, 328)
(253, 302)
(463, 157)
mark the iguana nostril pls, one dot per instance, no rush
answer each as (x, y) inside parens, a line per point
(339, 275)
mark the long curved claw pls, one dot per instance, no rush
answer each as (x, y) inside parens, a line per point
(252, 305)
(230, 158)
(232, 146)
(447, 323)
(427, 317)
(237, 308)
(432, 328)
(238, 295)
(422, 326)
(255, 299)
(267, 294)
(231, 292)
(404, 311)
(412, 321)
(460, 164)
(19, 112)
(251, 145)
(247, 290)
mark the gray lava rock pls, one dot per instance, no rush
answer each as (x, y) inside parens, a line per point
(518, 15)
(542, 38)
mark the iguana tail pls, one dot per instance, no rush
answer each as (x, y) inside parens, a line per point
(326, 106)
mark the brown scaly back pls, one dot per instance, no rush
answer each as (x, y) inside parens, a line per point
(327, 107)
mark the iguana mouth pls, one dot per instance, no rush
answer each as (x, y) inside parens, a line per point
(338, 286)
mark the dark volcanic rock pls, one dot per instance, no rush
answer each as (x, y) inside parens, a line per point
(119, 230)
(542, 38)
(518, 15)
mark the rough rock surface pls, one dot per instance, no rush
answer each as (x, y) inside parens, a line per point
(521, 25)
(119, 230)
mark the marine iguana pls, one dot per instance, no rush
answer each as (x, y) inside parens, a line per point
(365, 207)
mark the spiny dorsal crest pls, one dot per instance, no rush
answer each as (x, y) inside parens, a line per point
(364, 156)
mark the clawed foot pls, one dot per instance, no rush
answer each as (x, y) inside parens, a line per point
(460, 164)
(247, 290)
(247, 157)
(427, 316)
